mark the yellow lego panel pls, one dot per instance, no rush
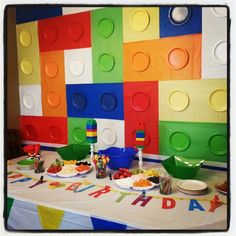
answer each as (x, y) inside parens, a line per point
(28, 53)
(140, 23)
(193, 100)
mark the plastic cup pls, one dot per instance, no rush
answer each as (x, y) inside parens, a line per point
(165, 181)
(101, 172)
(38, 165)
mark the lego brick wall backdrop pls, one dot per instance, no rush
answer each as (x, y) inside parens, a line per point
(165, 67)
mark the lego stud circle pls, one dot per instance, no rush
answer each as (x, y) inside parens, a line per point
(53, 99)
(28, 101)
(55, 133)
(109, 136)
(140, 61)
(30, 132)
(220, 52)
(79, 135)
(139, 20)
(79, 101)
(219, 11)
(218, 144)
(179, 15)
(218, 100)
(178, 100)
(26, 66)
(140, 101)
(177, 58)
(25, 38)
(50, 34)
(75, 31)
(51, 69)
(106, 62)
(105, 27)
(108, 101)
(77, 67)
(179, 140)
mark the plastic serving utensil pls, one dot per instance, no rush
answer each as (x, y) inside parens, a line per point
(41, 181)
(21, 180)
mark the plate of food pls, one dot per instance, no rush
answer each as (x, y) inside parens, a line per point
(222, 188)
(124, 178)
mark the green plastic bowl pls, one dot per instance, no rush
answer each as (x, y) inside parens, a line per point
(74, 151)
(26, 164)
(182, 167)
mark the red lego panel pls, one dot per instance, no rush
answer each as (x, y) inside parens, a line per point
(44, 129)
(65, 32)
(141, 105)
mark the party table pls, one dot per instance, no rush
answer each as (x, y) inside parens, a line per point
(99, 204)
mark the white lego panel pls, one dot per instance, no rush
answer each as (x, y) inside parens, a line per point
(72, 10)
(214, 42)
(78, 66)
(110, 133)
(30, 100)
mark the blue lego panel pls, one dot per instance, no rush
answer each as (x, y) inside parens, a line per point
(27, 13)
(176, 21)
(95, 101)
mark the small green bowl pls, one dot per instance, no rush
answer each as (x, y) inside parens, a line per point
(182, 167)
(26, 164)
(74, 151)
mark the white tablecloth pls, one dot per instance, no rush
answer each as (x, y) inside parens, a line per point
(106, 207)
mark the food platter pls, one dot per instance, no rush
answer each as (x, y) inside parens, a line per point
(67, 170)
(128, 183)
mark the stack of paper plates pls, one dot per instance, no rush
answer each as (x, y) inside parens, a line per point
(192, 187)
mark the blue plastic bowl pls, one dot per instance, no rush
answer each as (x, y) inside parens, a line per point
(119, 157)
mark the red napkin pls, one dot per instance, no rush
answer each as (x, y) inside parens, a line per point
(36, 148)
(28, 149)
(31, 149)
(215, 203)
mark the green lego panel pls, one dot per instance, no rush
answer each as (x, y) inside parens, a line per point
(195, 140)
(107, 45)
(77, 130)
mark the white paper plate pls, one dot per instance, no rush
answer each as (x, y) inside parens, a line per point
(192, 192)
(192, 185)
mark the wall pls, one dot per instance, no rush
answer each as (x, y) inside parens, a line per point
(160, 67)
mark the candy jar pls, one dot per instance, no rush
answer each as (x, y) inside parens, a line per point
(100, 163)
